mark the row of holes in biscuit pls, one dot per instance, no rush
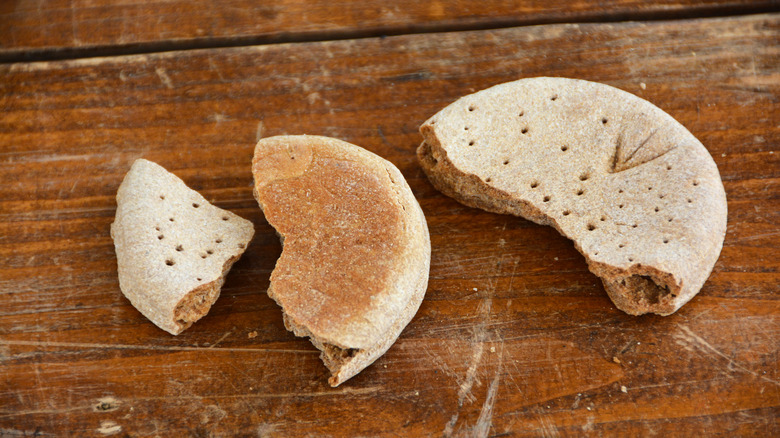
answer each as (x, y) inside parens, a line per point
(179, 247)
(592, 226)
(524, 130)
(583, 177)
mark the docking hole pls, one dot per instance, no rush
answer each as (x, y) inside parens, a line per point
(170, 262)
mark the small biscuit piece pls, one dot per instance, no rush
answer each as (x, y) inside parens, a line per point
(173, 247)
(638, 194)
(356, 250)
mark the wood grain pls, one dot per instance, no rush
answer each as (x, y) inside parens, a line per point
(515, 336)
(34, 29)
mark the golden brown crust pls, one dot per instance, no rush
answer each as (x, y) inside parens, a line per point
(355, 246)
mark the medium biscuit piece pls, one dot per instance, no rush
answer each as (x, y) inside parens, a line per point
(638, 194)
(173, 247)
(356, 250)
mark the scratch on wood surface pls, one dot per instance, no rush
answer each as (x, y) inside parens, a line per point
(220, 340)
(60, 157)
(313, 97)
(485, 420)
(265, 430)
(681, 383)
(74, 23)
(464, 388)
(757, 236)
(482, 428)
(218, 118)
(23, 433)
(212, 414)
(259, 131)
(478, 348)
(688, 338)
(164, 78)
(440, 364)
(478, 343)
(108, 427)
(588, 426)
(548, 429)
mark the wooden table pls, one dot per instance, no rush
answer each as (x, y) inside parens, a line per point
(515, 337)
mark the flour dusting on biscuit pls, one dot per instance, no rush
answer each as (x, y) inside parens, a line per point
(173, 247)
(638, 194)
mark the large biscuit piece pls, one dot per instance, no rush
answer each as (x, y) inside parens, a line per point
(356, 250)
(640, 197)
(173, 247)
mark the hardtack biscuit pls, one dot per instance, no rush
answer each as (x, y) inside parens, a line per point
(173, 247)
(356, 250)
(638, 194)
